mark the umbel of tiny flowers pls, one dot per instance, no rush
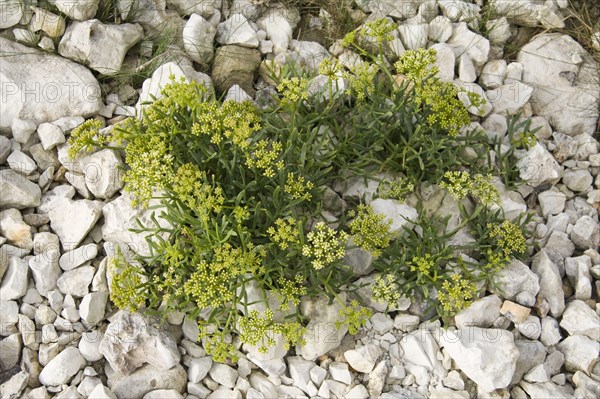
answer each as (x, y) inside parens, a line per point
(370, 231)
(293, 91)
(460, 184)
(509, 238)
(456, 294)
(325, 245)
(284, 233)
(354, 317)
(84, 138)
(385, 289)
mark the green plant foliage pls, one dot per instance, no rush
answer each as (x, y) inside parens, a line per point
(243, 191)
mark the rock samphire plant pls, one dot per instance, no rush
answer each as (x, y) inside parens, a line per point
(253, 225)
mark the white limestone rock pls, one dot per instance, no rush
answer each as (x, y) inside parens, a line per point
(580, 352)
(146, 379)
(14, 282)
(12, 12)
(466, 69)
(487, 356)
(120, 216)
(396, 212)
(50, 135)
(579, 319)
(509, 99)
(62, 367)
(50, 23)
(152, 87)
(76, 282)
(237, 30)
(339, 372)
(77, 257)
(578, 273)
(566, 82)
(89, 345)
(15, 230)
(538, 167)
(198, 38)
(323, 317)
(163, 394)
(445, 60)
(92, 307)
(440, 29)
(103, 173)
(465, 41)
(79, 10)
(552, 202)
(131, 340)
(64, 87)
(66, 211)
(515, 280)
(17, 191)
(279, 24)
(100, 46)
(550, 282)
(492, 74)
(199, 368)
(414, 36)
(101, 392)
(300, 371)
(586, 233)
(21, 163)
(578, 180)
(474, 98)
(481, 313)
(45, 270)
(364, 358)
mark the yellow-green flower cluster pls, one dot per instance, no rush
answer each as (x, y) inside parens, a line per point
(232, 120)
(191, 187)
(151, 166)
(417, 65)
(293, 90)
(210, 284)
(298, 188)
(241, 214)
(484, 190)
(361, 80)
(495, 260)
(285, 234)
(126, 285)
(524, 140)
(84, 138)
(396, 189)
(205, 287)
(456, 294)
(325, 245)
(423, 264)
(264, 156)
(509, 238)
(216, 345)
(256, 329)
(458, 184)
(293, 332)
(290, 291)
(380, 30)
(354, 317)
(445, 109)
(331, 67)
(370, 231)
(180, 95)
(385, 289)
